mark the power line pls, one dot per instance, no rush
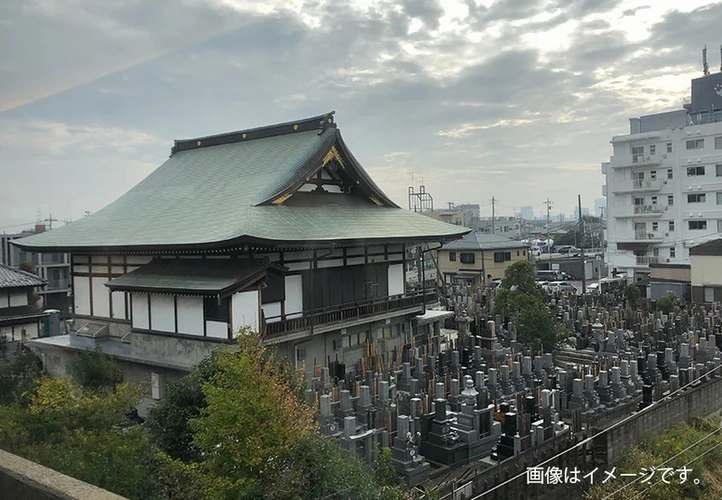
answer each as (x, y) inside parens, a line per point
(685, 465)
(665, 462)
(600, 433)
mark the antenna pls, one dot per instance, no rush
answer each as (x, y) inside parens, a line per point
(704, 61)
(720, 57)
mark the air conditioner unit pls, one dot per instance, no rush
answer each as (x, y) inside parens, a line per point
(667, 260)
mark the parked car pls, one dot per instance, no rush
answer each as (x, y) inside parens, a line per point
(562, 286)
(535, 252)
(548, 275)
(593, 288)
(566, 276)
(544, 285)
(569, 250)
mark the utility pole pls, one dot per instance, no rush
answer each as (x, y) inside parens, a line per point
(548, 204)
(581, 235)
(50, 221)
(493, 203)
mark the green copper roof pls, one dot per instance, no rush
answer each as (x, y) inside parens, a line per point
(218, 192)
(201, 276)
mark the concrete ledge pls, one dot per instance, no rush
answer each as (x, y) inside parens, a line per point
(26, 480)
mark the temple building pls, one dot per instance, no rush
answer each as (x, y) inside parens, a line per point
(277, 228)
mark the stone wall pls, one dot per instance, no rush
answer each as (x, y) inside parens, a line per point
(696, 402)
(26, 480)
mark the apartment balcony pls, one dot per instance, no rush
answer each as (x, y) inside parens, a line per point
(627, 161)
(642, 237)
(646, 260)
(640, 211)
(282, 328)
(639, 186)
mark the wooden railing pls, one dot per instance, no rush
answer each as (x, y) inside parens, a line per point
(281, 325)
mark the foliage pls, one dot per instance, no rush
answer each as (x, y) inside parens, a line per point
(536, 327)
(519, 282)
(657, 452)
(19, 377)
(519, 297)
(667, 303)
(121, 461)
(633, 295)
(95, 370)
(252, 417)
(77, 432)
(317, 467)
(169, 421)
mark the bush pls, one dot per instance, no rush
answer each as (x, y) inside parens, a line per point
(95, 370)
(667, 303)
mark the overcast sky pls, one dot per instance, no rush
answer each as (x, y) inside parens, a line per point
(516, 99)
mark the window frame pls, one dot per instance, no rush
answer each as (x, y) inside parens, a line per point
(696, 197)
(695, 143)
(701, 223)
(467, 258)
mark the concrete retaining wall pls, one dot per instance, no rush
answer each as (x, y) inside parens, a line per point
(26, 480)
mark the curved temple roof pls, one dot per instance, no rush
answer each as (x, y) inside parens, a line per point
(242, 187)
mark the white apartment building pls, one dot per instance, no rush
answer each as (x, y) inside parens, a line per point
(664, 183)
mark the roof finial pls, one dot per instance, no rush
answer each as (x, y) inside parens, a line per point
(704, 61)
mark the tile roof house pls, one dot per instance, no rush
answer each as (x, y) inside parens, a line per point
(479, 257)
(277, 228)
(20, 319)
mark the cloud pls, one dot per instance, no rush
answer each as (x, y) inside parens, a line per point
(514, 99)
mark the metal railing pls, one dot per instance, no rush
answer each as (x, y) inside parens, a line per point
(281, 325)
(646, 184)
(648, 209)
(645, 260)
(638, 235)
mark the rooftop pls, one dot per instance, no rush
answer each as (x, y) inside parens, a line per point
(483, 241)
(193, 276)
(16, 278)
(709, 248)
(244, 188)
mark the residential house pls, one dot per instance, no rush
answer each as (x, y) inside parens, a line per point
(277, 228)
(706, 271)
(479, 255)
(20, 319)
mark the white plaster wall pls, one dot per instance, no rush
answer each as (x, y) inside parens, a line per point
(81, 295)
(270, 310)
(140, 311)
(190, 315)
(217, 329)
(162, 314)
(245, 310)
(396, 279)
(31, 330)
(355, 261)
(18, 298)
(330, 263)
(706, 270)
(101, 298)
(294, 295)
(118, 299)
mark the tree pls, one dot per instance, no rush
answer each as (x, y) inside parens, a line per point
(252, 418)
(169, 421)
(667, 303)
(19, 377)
(95, 370)
(633, 295)
(519, 281)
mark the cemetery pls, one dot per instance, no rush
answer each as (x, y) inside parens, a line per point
(470, 411)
